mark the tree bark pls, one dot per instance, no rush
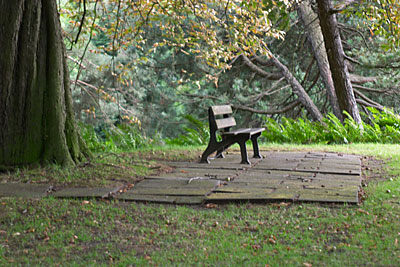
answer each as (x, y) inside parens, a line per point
(37, 123)
(304, 98)
(316, 39)
(334, 49)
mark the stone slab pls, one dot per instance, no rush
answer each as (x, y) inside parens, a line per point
(24, 190)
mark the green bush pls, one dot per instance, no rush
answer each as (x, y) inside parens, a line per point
(383, 127)
(114, 138)
(196, 133)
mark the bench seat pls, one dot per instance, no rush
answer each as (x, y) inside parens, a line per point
(250, 131)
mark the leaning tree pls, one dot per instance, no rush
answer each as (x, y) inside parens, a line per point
(37, 122)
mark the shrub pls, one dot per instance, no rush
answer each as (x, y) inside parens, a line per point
(383, 127)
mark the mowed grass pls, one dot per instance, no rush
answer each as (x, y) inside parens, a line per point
(97, 232)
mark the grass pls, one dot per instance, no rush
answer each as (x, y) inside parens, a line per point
(103, 169)
(96, 232)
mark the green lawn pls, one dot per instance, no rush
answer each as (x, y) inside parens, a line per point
(94, 232)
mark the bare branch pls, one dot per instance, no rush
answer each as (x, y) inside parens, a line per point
(367, 100)
(269, 112)
(369, 89)
(81, 25)
(365, 103)
(357, 79)
(298, 89)
(261, 72)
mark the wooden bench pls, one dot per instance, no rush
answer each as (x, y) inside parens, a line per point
(220, 119)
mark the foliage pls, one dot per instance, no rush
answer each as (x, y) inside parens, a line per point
(160, 60)
(196, 134)
(383, 19)
(115, 138)
(384, 127)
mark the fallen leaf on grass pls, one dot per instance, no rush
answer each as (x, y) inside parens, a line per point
(307, 264)
(363, 211)
(282, 204)
(147, 257)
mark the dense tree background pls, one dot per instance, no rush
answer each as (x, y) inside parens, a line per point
(153, 63)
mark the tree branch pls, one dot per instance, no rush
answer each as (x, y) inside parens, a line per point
(268, 112)
(365, 103)
(302, 95)
(81, 25)
(368, 100)
(261, 72)
(369, 89)
(354, 78)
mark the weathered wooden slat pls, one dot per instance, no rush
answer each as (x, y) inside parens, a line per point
(172, 191)
(221, 110)
(216, 164)
(24, 190)
(236, 196)
(326, 197)
(220, 174)
(355, 161)
(246, 190)
(244, 130)
(266, 182)
(193, 183)
(80, 192)
(190, 200)
(282, 195)
(225, 122)
(306, 169)
(177, 187)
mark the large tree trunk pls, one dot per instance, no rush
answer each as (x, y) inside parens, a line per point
(316, 39)
(36, 115)
(334, 49)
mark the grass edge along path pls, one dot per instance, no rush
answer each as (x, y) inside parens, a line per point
(87, 232)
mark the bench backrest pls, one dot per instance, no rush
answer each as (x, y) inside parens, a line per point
(221, 118)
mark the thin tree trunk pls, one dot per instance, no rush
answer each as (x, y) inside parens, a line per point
(334, 49)
(304, 98)
(316, 39)
(36, 115)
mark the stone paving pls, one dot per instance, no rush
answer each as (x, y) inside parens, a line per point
(279, 176)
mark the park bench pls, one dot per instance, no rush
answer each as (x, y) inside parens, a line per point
(221, 120)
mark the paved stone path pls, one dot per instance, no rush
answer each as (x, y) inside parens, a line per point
(279, 176)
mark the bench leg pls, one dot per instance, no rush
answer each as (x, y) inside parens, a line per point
(206, 153)
(243, 152)
(256, 150)
(220, 154)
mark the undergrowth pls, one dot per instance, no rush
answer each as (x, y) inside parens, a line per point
(378, 127)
